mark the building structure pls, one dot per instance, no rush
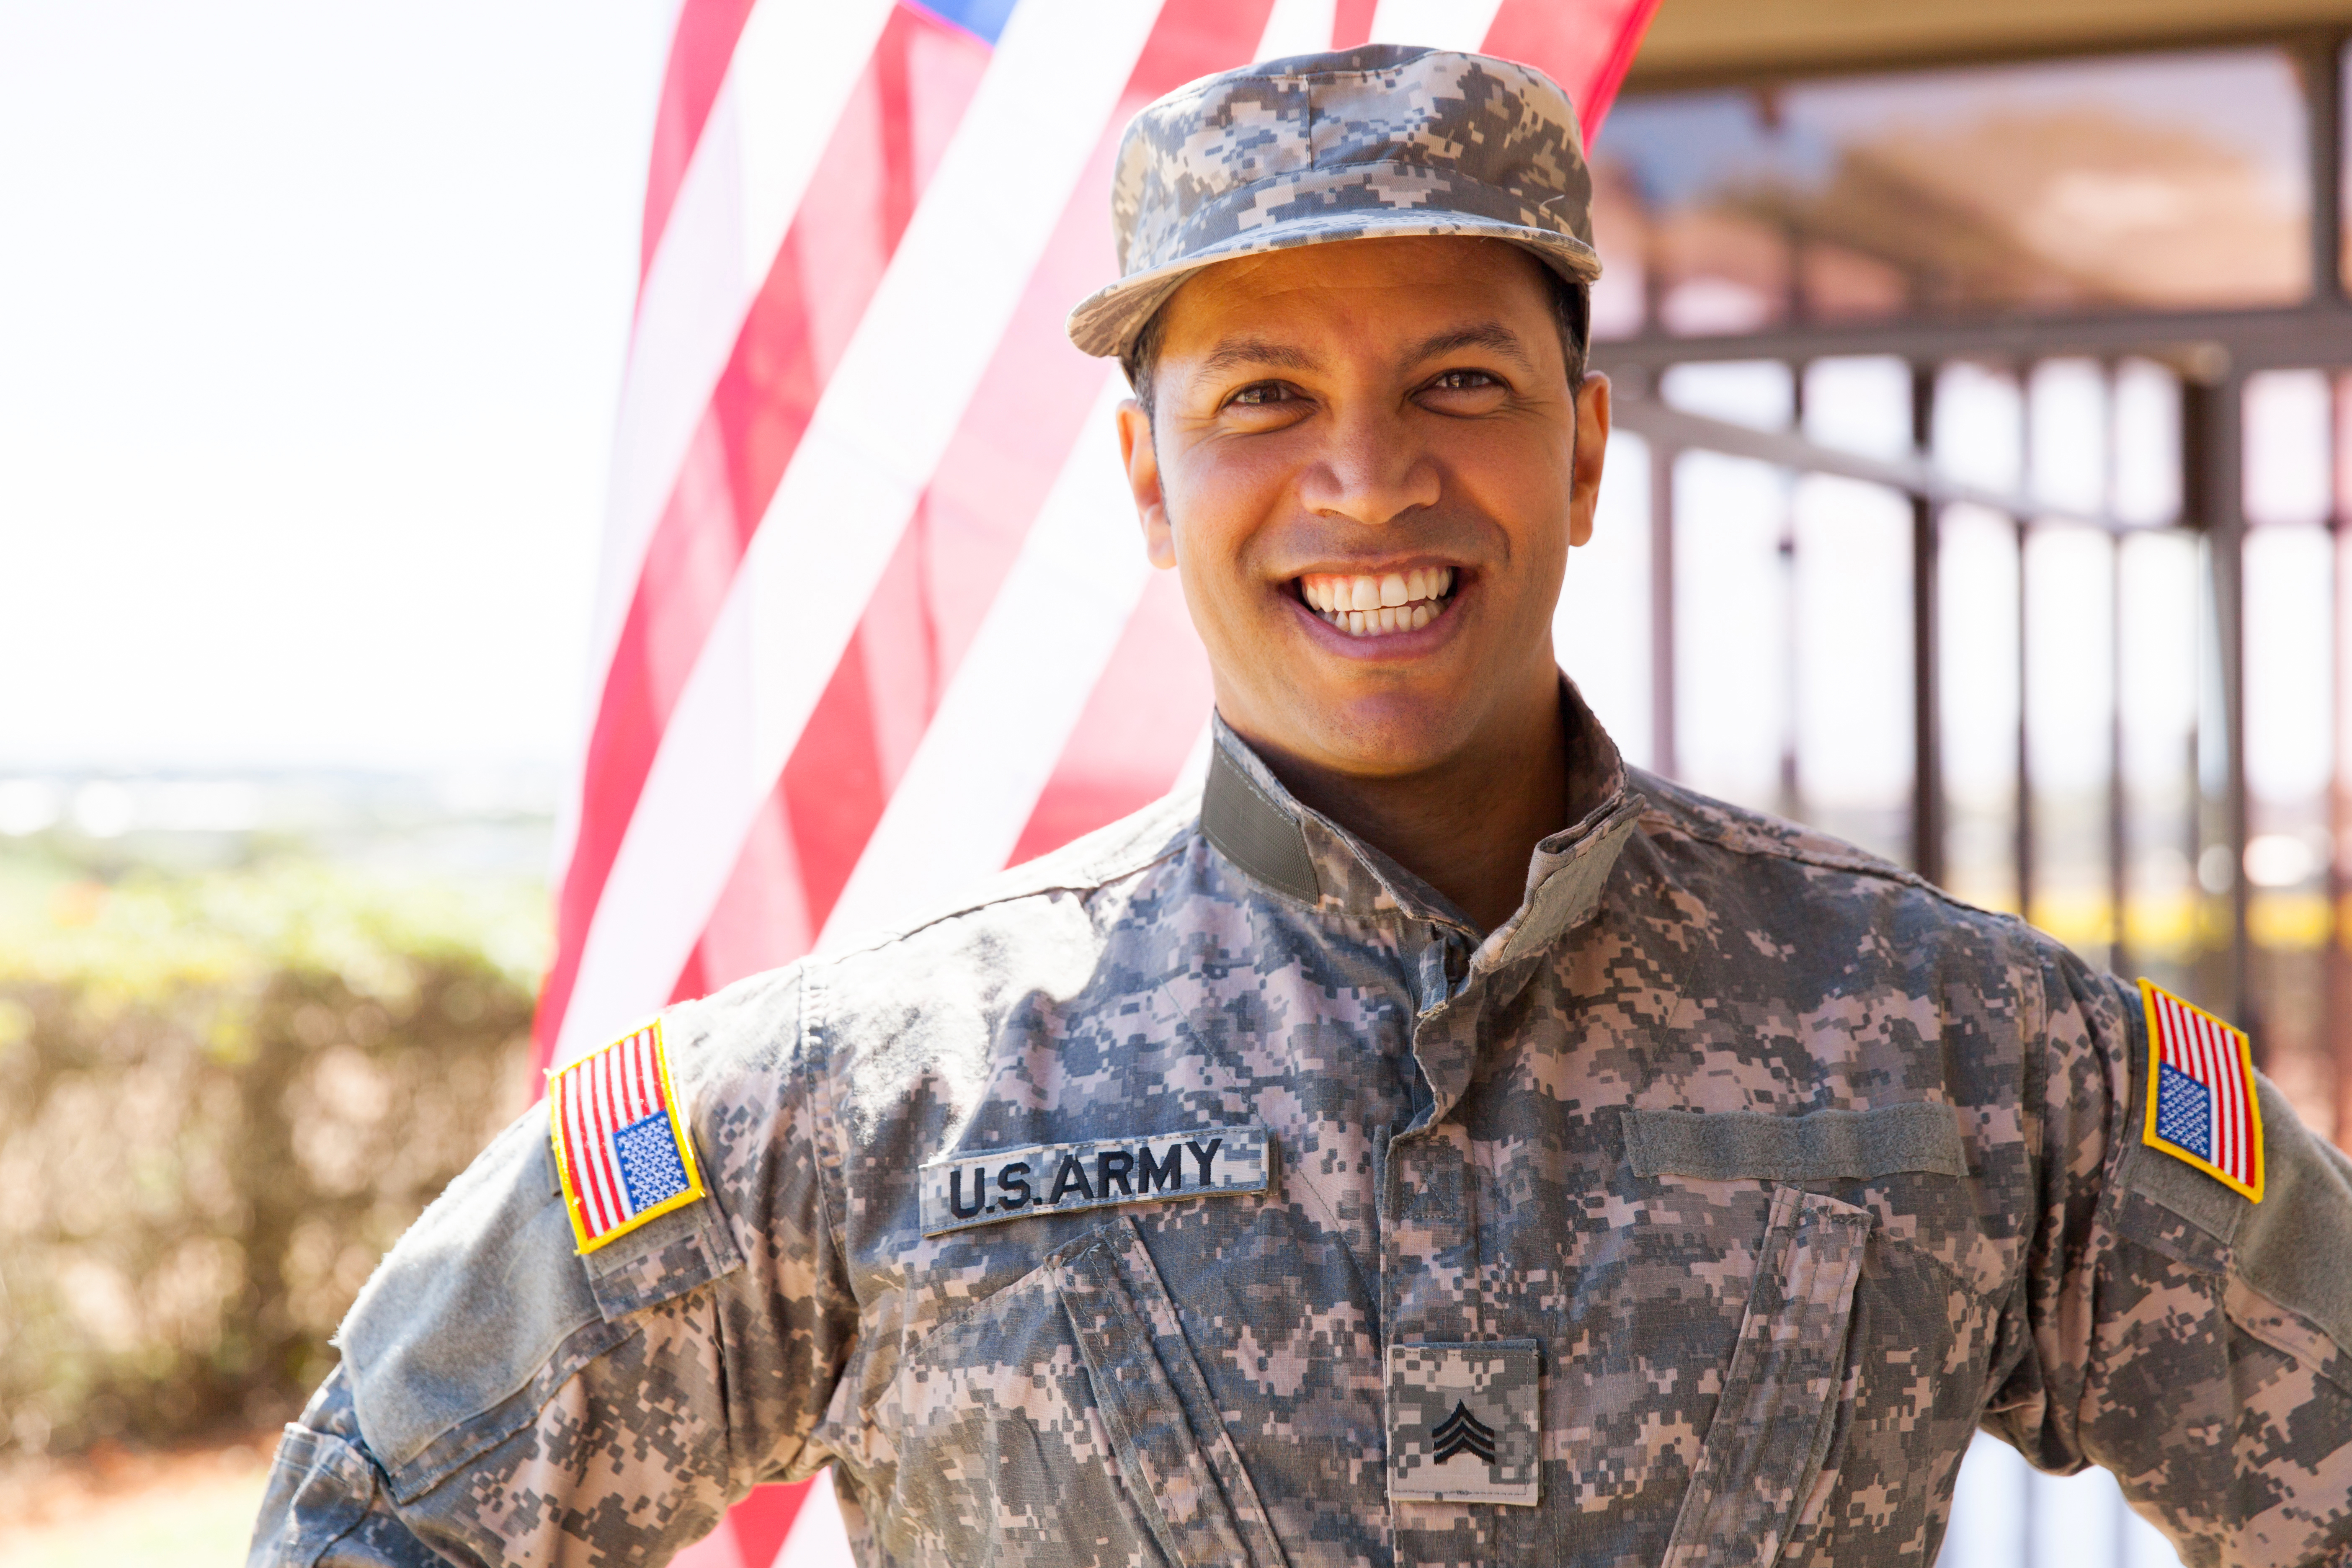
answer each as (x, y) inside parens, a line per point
(2128, 216)
(1982, 370)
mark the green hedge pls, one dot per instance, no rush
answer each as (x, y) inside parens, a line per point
(221, 1097)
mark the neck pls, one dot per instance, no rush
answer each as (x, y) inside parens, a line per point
(1467, 826)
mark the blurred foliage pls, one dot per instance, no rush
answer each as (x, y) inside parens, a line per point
(221, 1097)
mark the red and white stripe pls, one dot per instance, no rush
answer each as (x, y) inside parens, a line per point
(596, 1099)
(872, 619)
(2191, 1042)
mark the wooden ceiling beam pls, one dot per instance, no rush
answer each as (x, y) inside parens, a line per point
(1708, 43)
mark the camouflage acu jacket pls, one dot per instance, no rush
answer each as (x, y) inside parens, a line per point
(1213, 1193)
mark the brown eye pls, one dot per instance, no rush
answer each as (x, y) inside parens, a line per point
(1464, 381)
(1261, 394)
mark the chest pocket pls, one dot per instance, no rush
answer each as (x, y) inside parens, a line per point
(1063, 1421)
(1761, 1472)
(1772, 1423)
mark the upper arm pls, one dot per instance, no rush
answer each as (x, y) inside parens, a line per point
(509, 1390)
(2186, 1338)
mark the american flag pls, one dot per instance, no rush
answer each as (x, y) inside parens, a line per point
(621, 1149)
(872, 619)
(2200, 1092)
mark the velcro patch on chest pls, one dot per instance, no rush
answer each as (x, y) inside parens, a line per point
(1464, 1421)
(984, 1186)
(2201, 1105)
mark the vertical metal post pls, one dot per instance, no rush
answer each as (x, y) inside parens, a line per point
(2118, 789)
(2227, 455)
(2023, 849)
(2322, 68)
(2336, 977)
(2322, 102)
(2118, 794)
(1791, 802)
(2030, 1548)
(1927, 685)
(2192, 824)
(2212, 437)
(2322, 62)
(1662, 608)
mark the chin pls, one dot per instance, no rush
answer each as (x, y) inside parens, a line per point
(1388, 738)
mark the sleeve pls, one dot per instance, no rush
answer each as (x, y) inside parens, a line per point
(503, 1397)
(2166, 1328)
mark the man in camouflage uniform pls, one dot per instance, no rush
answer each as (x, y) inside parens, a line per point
(1427, 1141)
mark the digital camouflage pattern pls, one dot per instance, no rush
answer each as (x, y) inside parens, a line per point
(1382, 140)
(1777, 1169)
(1482, 1402)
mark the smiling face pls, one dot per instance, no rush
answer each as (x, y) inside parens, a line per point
(1368, 466)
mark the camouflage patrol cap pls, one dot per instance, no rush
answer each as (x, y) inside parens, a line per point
(1354, 144)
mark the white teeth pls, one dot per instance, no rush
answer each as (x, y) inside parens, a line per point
(1370, 606)
(1387, 618)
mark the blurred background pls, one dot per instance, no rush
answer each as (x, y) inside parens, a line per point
(1978, 498)
(312, 321)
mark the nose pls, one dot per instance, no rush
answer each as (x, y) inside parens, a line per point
(1371, 470)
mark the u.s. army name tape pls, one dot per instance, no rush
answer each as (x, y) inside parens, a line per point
(984, 1187)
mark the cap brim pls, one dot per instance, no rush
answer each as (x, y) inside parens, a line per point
(1106, 321)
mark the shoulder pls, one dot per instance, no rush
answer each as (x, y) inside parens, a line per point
(776, 1022)
(486, 1307)
(1856, 947)
(1729, 851)
(1681, 816)
(1042, 923)
(1085, 866)
(848, 1044)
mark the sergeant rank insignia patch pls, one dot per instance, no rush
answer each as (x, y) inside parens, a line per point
(1465, 1423)
(621, 1147)
(2201, 1108)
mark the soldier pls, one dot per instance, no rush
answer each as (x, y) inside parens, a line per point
(1427, 1141)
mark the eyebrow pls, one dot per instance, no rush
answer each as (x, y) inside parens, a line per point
(1491, 335)
(1235, 352)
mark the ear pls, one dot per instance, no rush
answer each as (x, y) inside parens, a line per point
(1142, 463)
(1591, 448)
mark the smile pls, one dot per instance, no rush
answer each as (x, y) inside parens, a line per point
(1370, 606)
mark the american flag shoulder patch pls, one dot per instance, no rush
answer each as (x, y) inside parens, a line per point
(621, 1145)
(2201, 1105)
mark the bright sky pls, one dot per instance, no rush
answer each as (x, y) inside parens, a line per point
(311, 322)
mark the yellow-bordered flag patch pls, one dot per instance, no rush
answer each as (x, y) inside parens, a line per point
(2201, 1106)
(621, 1145)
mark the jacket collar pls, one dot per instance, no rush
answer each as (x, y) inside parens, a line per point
(1256, 824)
